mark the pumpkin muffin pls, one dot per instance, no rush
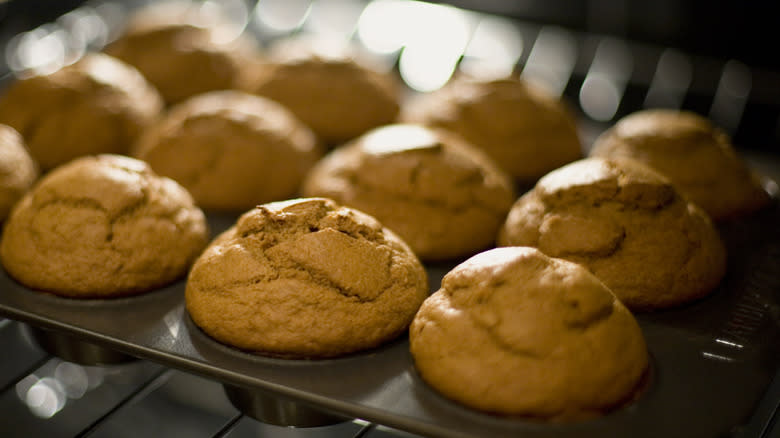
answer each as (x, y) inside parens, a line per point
(185, 48)
(305, 278)
(521, 127)
(517, 333)
(445, 198)
(18, 171)
(693, 153)
(628, 225)
(101, 227)
(97, 105)
(241, 150)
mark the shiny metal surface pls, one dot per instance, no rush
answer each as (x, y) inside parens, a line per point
(74, 349)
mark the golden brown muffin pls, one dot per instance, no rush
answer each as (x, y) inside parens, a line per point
(628, 225)
(694, 154)
(442, 196)
(96, 105)
(522, 128)
(305, 278)
(18, 171)
(100, 227)
(242, 150)
(329, 88)
(514, 332)
(185, 49)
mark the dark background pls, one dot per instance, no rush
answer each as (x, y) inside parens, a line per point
(746, 31)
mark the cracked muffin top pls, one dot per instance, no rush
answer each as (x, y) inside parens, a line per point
(18, 171)
(102, 226)
(445, 198)
(514, 332)
(695, 155)
(628, 225)
(527, 131)
(96, 105)
(305, 278)
(242, 150)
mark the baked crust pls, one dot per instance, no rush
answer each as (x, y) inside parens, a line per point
(241, 150)
(97, 105)
(305, 278)
(526, 131)
(100, 227)
(628, 225)
(695, 155)
(514, 332)
(445, 198)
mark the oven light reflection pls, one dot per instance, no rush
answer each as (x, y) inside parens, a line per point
(172, 322)
(671, 80)
(717, 357)
(41, 50)
(48, 394)
(603, 87)
(599, 97)
(551, 61)
(45, 398)
(378, 27)
(493, 50)
(431, 54)
(432, 38)
(278, 17)
(729, 343)
(731, 95)
(334, 18)
(234, 12)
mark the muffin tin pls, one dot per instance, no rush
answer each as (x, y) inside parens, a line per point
(712, 360)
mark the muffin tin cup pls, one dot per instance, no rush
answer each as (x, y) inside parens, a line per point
(280, 411)
(74, 349)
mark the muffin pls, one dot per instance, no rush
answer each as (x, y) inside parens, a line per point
(242, 150)
(521, 127)
(514, 332)
(185, 48)
(101, 227)
(18, 171)
(694, 154)
(329, 87)
(96, 105)
(628, 225)
(305, 278)
(441, 195)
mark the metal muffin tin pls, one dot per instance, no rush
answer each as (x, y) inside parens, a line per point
(712, 360)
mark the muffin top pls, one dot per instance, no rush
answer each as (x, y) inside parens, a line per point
(185, 48)
(96, 105)
(445, 198)
(693, 153)
(102, 226)
(628, 225)
(527, 131)
(514, 332)
(18, 171)
(332, 91)
(242, 150)
(305, 278)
